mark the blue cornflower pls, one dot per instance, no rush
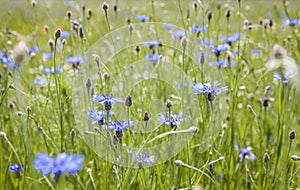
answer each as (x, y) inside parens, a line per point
(153, 57)
(62, 164)
(48, 71)
(76, 60)
(41, 82)
(7, 60)
(221, 63)
(178, 34)
(46, 56)
(168, 26)
(287, 75)
(218, 48)
(209, 91)
(291, 22)
(16, 168)
(98, 116)
(146, 160)
(142, 18)
(255, 53)
(118, 126)
(197, 29)
(172, 120)
(107, 100)
(33, 50)
(246, 154)
(151, 44)
(64, 35)
(231, 39)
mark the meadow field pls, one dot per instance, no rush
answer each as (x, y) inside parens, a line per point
(157, 94)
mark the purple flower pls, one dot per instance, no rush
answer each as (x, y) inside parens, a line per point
(218, 48)
(221, 63)
(230, 39)
(145, 160)
(178, 34)
(197, 29)
(64, 35)
(142, 18)
(151, 44)
(76, 60)
(41, 82)
(209, 91)
(46, 56)
(246, 154)
(291, 22)
(153, 57)
(7, 60)
(33, 51)
(98, 116)
(107, 99)
(62, 164)
(168, 26)
(172, 120)
(16, 168)
(118, 126)
(278, 77)
(48, 71)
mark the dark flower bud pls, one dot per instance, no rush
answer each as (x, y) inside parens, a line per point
(209, 15)
(83, 8)
(292, 135)
(202, 58)
(195, 5)
(218, 6)
(128, 101)
(11, 105)
(33, 3)
(128, 20)
(92, 92)
(88, 83)
(188, 13)
(46, 28)
(105, 6)
(73, 133)
(57, 33)
(266, 157)
(90, 12)
(228, 13)
(169, 103)
(28, 109)
(211, 169)
(81, 34)
(69, 14)
(106, 76)
(115, 8)
(146, 116)
(51, 44)
(271, 23)
(261, 20)
(137, 49)
(265, 101)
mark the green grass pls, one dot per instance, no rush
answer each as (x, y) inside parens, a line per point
(39, 119)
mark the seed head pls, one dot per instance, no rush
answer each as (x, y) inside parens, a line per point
(57, 33)
(209, 15)
(178, 163)
(146, 116)
(69, 14)
(128, 101)
(292, 135)
(73, 133)
(169, 103)
(105, 6)
(266, 157)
